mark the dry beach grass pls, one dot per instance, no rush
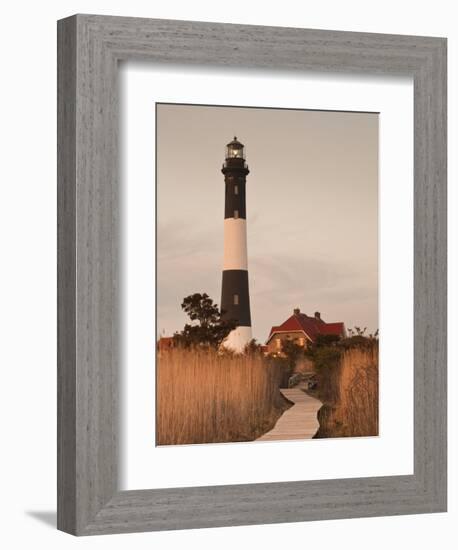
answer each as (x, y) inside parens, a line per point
(350, 395)
(205, 397)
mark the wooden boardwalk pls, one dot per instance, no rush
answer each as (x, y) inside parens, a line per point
(299, 421)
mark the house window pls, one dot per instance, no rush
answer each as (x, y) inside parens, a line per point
(236, 189)
(278, 342)
(236, 214)
(236, 299)
(301, 341)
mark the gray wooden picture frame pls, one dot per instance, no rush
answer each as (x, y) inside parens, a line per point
(89, 49)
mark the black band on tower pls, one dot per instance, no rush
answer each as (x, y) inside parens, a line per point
(235, 300)
(235, 202)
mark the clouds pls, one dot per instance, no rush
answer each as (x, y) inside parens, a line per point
(312, 212)
(339, 290)
(188, 261)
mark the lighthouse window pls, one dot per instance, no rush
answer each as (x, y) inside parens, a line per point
(236, 189)
(236, 214)
(236, 299)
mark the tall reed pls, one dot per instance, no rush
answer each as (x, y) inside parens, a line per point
(350, 394)
(206, 397)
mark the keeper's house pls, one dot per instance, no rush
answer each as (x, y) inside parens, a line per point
(165, 343)
(302, 329)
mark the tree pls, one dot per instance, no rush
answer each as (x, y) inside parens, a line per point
(211, 329)
(326, 351)
(357, 338)
(323, 340)
(357, 331)
(253, 347)
(292, 352)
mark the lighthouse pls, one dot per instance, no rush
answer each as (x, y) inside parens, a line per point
(235, 296)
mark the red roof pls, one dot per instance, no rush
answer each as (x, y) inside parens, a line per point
(165, 342)
(332, 328)
(310, 326)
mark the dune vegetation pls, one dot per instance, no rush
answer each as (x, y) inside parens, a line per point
(204, 396)
(348, 388)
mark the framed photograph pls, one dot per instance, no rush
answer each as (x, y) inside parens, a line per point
(251, 274)
(230, 357)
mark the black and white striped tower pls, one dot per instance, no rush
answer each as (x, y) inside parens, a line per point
(235, 297)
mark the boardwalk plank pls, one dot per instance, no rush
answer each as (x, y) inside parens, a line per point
(299, 421)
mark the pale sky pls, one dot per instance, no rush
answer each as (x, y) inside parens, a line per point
(312, 212)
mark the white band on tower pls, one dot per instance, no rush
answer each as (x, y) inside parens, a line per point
(235, 245)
